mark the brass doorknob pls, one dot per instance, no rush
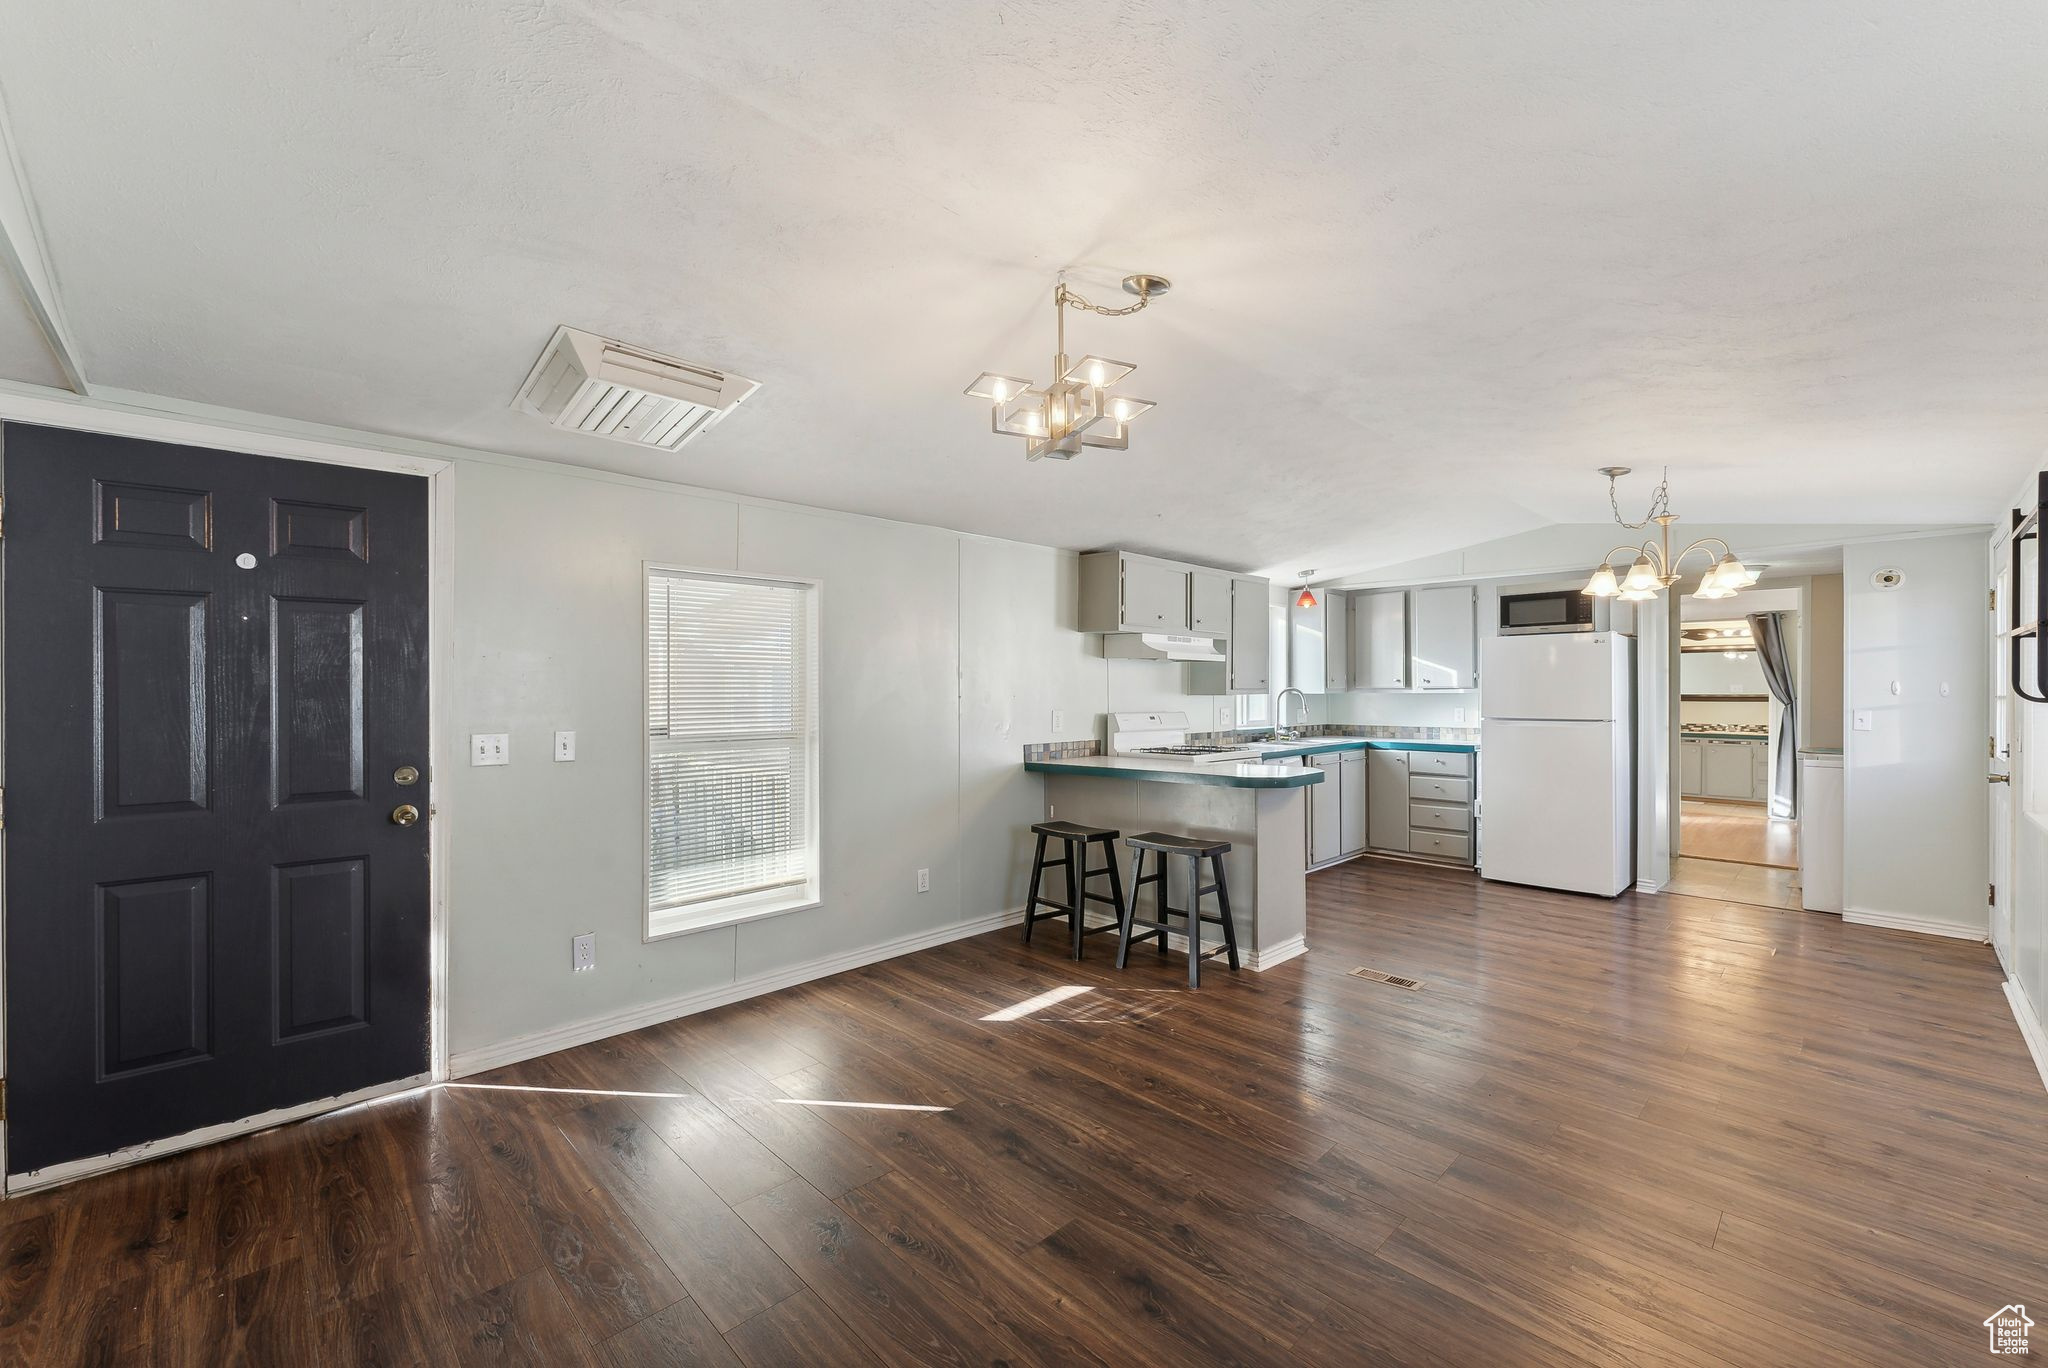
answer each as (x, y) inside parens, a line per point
(405, 814)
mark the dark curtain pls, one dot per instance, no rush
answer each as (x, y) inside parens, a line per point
(1769, 631)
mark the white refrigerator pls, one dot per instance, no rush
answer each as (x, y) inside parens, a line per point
(1557, 761)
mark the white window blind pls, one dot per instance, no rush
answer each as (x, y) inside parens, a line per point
(729, 712)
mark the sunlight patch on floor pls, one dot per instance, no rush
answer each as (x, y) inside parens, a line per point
(1049, 998)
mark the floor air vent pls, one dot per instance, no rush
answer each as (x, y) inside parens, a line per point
(1380, 976)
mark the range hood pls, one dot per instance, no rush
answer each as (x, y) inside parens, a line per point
(1159, 646)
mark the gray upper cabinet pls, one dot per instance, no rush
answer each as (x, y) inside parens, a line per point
(1251, 640)
(1121, 592)
(1308, 640)
(1379, 639)
(1248, 652)
(1209, 603)
(1446, 637)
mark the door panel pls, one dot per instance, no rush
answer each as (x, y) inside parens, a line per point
(214, 663)
(150, 750)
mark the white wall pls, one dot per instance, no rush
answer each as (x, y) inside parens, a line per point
(941, 656)
(1913, 786)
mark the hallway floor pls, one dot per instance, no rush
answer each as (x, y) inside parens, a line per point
(1742, 832)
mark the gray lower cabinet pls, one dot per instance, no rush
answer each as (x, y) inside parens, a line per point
(1352, 804)
(1692, 767)
(1325, 812)
(1729, 769)
(1387, 803)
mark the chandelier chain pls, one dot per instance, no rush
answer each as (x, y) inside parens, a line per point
(1660, 502)
(1068, 297)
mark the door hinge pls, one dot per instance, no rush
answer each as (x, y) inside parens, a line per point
(1994, 600)
(3, 1099)
(1991, 898)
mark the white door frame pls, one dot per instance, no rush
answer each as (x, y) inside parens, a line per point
(2002, 802)
(55, 408)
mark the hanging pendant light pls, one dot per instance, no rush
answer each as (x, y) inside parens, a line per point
(1076, 409)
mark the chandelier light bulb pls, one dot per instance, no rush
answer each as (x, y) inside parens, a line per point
(1095, 374)
(1123, 410)
(1602, 585)
(1642, 576)
(1002, 391)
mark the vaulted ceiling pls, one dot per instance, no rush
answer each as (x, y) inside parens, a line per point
(1433, 263)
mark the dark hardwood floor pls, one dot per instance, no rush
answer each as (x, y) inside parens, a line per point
(1654, 1131)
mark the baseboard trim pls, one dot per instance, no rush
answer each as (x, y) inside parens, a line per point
(463, 1063)
(1278, 955)
(1648, 886)
(71, 1170)
(1926, 926)
(2030, 1028)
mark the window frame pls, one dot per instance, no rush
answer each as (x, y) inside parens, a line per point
(664, 924)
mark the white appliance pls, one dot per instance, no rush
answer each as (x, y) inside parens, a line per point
(1164, 736)
(1557, 782)
(1820, 831)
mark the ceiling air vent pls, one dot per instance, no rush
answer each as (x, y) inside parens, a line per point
(587, 383)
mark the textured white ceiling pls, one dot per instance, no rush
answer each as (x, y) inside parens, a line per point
(1434, 263)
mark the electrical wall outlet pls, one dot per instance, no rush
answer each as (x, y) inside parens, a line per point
(565, 745)
(1059, 721)
(583, 951)
(1457, 715)
(924, 881)
(490, 748)
(1865, 721)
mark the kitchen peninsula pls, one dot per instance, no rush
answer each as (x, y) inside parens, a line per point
(1274, 809)
(1259, 807)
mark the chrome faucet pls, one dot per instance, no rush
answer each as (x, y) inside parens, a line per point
(1280, 729)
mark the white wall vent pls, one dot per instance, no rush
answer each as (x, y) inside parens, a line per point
(587, 383)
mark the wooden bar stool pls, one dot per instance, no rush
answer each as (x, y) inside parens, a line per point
(1163, 844)
(1075, 839)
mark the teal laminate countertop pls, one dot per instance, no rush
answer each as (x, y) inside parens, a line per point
(1322, 745)
(1244, 775)
(1720, 736)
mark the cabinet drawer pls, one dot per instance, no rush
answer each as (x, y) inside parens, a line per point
(1439, 790)
(1444, 845)
(1439, 762)
(1438, 817)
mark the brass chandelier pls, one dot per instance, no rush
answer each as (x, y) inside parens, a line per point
(1653, 568)
(1077, 409)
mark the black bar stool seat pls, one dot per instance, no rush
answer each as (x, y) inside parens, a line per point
(1075, 840)
(1163, 845)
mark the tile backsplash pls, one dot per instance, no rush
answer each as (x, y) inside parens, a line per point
(1061, 750)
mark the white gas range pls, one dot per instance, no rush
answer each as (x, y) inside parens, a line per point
(1164, 736)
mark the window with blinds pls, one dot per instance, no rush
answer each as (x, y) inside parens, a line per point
(731, 744)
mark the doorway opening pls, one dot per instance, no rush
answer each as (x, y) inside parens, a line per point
(1737, 836)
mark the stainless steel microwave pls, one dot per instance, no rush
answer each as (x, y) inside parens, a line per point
(1554, 610)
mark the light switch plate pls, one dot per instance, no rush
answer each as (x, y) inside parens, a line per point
(1865, 721)
(565, 745)
(583, 951)
(1059, 721)
(490, 748)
